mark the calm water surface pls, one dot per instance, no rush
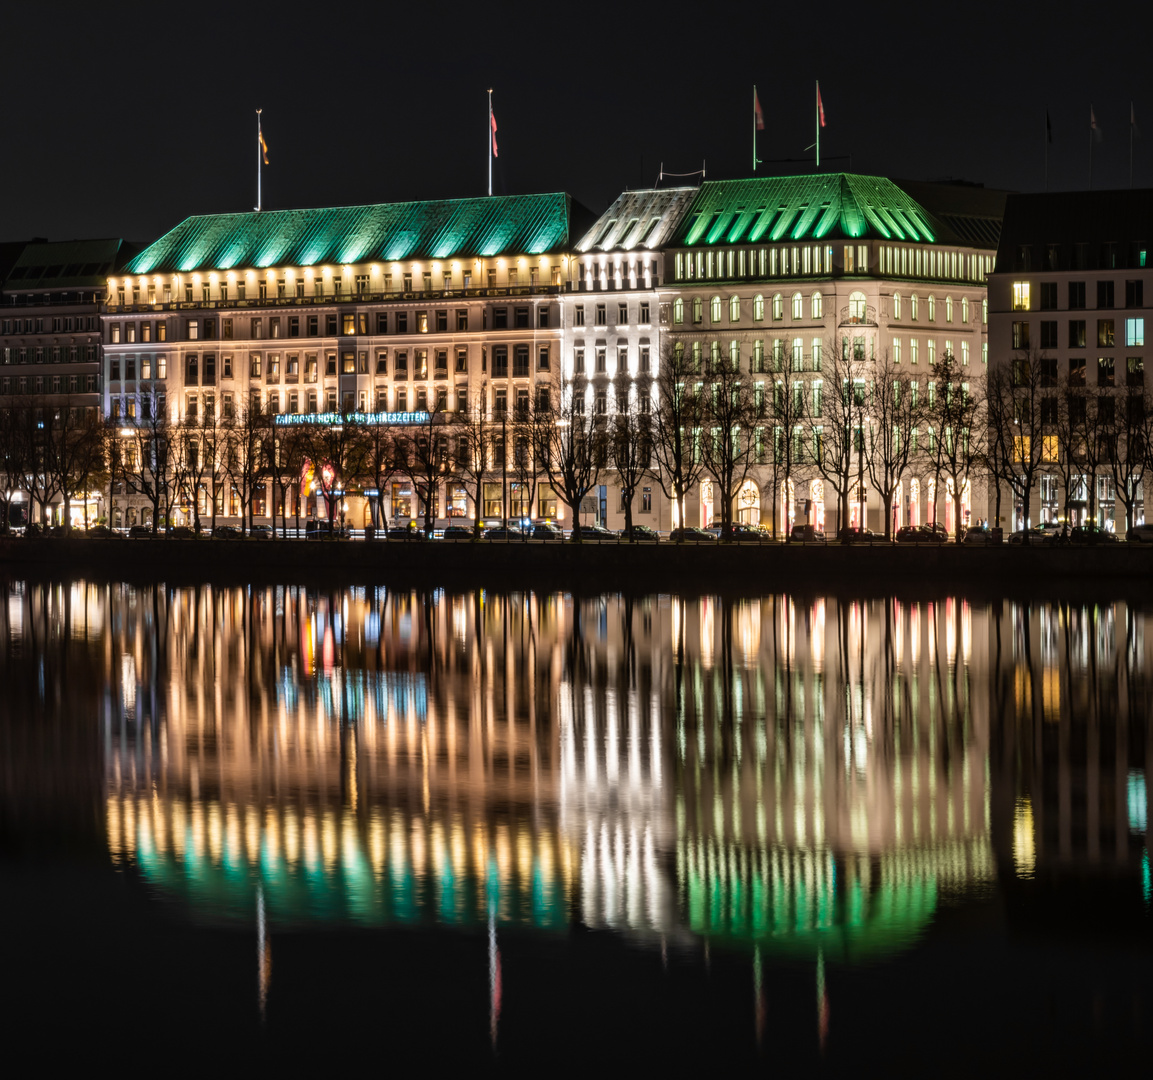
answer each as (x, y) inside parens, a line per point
(529, 830)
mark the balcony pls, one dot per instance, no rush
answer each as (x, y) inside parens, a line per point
(852, 316)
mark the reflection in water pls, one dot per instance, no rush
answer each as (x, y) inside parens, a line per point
(804, 779)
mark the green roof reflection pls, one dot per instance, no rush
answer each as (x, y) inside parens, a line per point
(387, 232)
(817, 207)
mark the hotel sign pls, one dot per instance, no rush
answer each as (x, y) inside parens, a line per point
(372, 419)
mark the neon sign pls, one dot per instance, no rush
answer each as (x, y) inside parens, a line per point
(374, 419)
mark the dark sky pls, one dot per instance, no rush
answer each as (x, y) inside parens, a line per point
(121, 121)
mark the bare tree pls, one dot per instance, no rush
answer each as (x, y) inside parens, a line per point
(676, 425)
(569, 444)
(838, 425)
(1014, 394)
(630, 440)
(429, 462)
(896, 412)
(244, 432)
(336, 453)
(11, 459)
(791, 407)
(957, 436)
(727, 443)
(1130, 463)
(380, 465)
(148, 461)
(473, 431)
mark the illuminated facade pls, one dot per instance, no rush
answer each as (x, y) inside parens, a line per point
(441, 307)
(1068, 309)
(782, 276)
(491, 305)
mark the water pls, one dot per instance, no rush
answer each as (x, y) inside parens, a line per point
(373, 826)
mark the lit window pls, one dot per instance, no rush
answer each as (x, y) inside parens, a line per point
(734, 309)
(1020, 296)
(818, 306)
(778, 307)
(758, 308)
(897, 306)
(857, 307)
(715, 309)
(678, 311)
(948, 309)
(798, 306)
(1134, 331)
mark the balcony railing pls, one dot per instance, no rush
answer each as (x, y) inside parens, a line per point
(853, 316)
(393, 296)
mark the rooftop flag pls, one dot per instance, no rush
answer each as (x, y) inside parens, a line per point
(820, 105)
(760, 116)
(492, 122)
(263, 147)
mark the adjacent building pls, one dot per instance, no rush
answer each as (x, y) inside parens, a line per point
(1068, 306)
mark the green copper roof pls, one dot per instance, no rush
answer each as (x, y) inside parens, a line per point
(818, 207)
(385, 232)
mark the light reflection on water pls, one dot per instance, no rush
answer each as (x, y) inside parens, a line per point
(811, 779)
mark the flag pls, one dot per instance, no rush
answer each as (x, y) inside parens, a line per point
(820, 106)
(757, 111)
(263, 146)
(492, 122)
(1048, 127)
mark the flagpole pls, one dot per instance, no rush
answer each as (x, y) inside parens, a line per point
(817, 103)
(259, 163)
(490, 142)
(1091, 119)
(1131, 119)
(755, 130)
(1045, 136)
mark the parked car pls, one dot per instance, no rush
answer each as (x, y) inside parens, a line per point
(1140, 534)
(980, 535)
(806, 534)
(139, 532)
(546, 531)
(1092, 534)
(1031, 536)
(224, 532)
(690, 535)
(921, 534)
(503, 532)
(640, 534)
(457, 532)
(403, 532)
(746, 534)
(856, 535)
(596, 534)
(182, 532)
(98, 532)
(260, 532)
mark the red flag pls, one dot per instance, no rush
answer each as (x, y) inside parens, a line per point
(757, 111)
(492, 121)
(820, 106)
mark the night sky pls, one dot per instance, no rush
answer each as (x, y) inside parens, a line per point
(121, 121)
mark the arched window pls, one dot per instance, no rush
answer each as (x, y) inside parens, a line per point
(715, 355)
(735, 355)
(698, 309)
(857, 307)
(778, 307)
(679, 355)
(984, 312)
(798, 354)
(897, 306)
(948, 309)
(715, 309)
(913, 307)
(932, 308)
(678, 311)
(758, 308)
(798, 306)
(734, 309)
(965, 310)
(696, 356)
(749, 504)
(818, 306)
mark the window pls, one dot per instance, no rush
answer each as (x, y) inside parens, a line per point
(1135, 331)
(913, 307)
(734, 309)
(1048, 296)
(1105, 333)
(1104, 294)
(857, 308)
(542, 318)
(600, 362)
(1135, 371)
(758, 308)
(602, 315)
(500, 362)
(1048, 371)
(226, 367)
(542, 360)
(678, 311)
(644, 318)
(254, 366)
(932, 308)
(948, 309)
(579, 361)
(965, 310)
(1134, 294)
(1049, 334)
(162, 331)
(1105, 371)
(462, 360)
(798, 306)
(1076, 371)
(622, 314)
(579, 315)
(400, 367)
(401, 322)
(520, 362)
(896, 350)
(698, 310)
(1076, 294)
(1020, 335)
(462, 318)
(817, 306)
(191, 369)
(778, 307)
